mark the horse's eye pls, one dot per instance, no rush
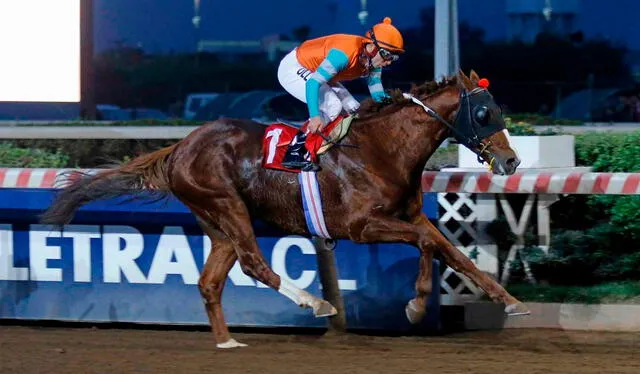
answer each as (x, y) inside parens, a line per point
(481, 114)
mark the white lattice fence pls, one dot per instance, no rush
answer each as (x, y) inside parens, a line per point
(470, 201)
(462, 219)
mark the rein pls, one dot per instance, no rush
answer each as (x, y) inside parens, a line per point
(469, 141)
(328, 140)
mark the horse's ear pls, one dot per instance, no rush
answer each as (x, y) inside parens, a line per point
(474, 77)
(464, 81)
(461, 74)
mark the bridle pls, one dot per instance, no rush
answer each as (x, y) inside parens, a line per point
(470, 125)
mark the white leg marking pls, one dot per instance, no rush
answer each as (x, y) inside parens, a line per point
(292, 292)
(231, 343)
(321, 308)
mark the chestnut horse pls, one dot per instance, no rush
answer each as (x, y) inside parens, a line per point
(371, 189)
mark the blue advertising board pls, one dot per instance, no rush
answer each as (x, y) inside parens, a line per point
(138, 262)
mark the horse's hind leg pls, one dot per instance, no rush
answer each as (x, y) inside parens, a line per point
(230, 215)
(212, 280)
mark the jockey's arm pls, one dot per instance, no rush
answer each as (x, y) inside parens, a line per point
(374, 82)
(335, 61)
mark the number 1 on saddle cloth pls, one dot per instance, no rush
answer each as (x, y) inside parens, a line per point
(288, 148)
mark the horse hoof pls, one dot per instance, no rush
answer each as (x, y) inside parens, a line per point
(413, 314)
(231, 343)
(517, 309)
(324, 309)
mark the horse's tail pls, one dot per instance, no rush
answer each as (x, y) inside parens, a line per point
(147, 172)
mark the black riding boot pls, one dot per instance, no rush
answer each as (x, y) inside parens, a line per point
(297, 155)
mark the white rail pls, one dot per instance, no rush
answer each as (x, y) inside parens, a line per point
(49, 130)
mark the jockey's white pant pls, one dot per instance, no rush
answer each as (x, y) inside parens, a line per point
(332, 98)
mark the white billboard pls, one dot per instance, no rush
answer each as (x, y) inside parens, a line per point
(40, 50)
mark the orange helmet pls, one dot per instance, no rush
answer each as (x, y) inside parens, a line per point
(386, 36)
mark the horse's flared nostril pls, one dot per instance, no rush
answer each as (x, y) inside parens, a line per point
(513, 162)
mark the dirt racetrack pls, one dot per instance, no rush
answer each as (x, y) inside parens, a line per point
(28, 349)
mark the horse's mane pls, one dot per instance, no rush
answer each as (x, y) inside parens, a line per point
(369, 107)
(431, 87)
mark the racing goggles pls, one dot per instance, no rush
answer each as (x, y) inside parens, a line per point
(387, 55)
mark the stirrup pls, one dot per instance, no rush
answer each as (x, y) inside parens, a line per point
(294, 164)
(311, 167)
(299, 162)
(301, 165)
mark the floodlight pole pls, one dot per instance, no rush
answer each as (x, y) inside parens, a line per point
(447, 55)
(87, 94)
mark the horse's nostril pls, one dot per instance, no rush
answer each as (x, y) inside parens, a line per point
(513, 162)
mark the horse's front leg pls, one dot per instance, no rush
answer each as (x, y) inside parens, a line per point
(462, 264)
(422, 234)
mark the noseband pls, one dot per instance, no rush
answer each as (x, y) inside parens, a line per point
(469, 127)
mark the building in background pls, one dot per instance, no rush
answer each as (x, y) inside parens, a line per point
(528, 18)
(271, 47)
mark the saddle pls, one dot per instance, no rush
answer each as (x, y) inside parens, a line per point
(279, 135)
(336, 133)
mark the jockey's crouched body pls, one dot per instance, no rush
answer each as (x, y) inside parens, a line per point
(312, 73)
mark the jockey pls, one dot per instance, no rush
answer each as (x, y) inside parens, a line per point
(312, 73)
